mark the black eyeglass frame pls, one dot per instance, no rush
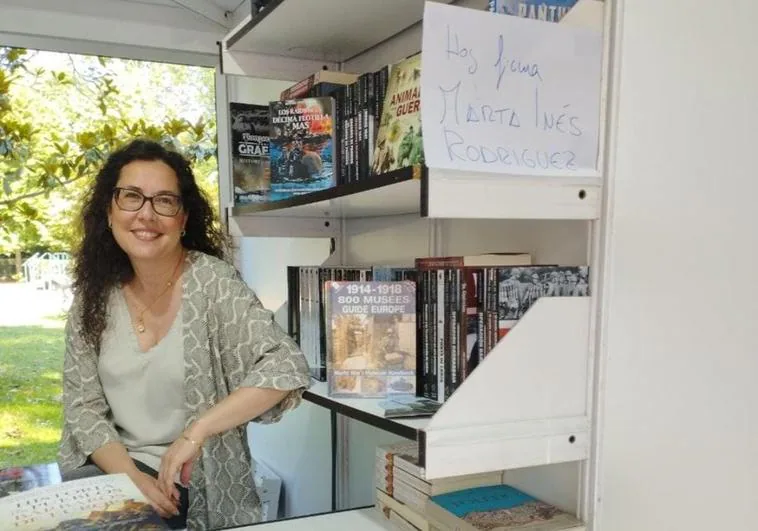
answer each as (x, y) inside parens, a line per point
(145, 198)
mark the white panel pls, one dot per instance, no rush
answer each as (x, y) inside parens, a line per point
(326, 30)
(393, 50)
(526, 400)
(305, 465)
(679, 428)
(557, 484)
(549, 242)
(387, 241)
(455, 194)
(268, 66)
(529, 374)
(113, 22)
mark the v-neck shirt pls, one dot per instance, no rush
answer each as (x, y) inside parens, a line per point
(145, 390)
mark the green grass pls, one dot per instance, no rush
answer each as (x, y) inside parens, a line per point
(31, 416)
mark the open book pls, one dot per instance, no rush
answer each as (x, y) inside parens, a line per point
(111, 502)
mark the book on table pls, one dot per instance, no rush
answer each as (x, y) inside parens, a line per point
(106, 502)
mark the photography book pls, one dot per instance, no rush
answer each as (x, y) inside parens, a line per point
(104, 503)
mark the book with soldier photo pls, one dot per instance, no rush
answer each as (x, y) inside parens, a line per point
(301, 146)
(399, 142)
(250, 152)
(371, 338)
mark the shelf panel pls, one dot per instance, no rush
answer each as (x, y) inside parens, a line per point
(366, 410)
(457, 194)
(526, 405)
(393, 193)
(435, 193)
(326, 30)
(365, 519)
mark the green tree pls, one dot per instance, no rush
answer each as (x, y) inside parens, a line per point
(62, 115)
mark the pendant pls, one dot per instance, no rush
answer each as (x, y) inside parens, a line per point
(141, 328)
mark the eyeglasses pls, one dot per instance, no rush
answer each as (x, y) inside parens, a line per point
(165, 204)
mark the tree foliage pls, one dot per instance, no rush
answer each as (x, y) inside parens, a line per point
(62, 115)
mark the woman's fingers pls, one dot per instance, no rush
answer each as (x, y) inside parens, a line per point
(150, 488)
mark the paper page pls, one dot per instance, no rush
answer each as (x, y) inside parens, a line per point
(505, 94)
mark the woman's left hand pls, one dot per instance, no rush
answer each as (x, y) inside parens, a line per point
(179, 457)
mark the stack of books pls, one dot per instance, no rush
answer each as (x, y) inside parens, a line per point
(473, 502)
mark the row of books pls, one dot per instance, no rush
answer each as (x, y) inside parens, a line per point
(472, 502)
(381, 331)
(330, 129)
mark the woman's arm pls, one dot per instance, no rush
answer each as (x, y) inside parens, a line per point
(262, 370)
(241, 406)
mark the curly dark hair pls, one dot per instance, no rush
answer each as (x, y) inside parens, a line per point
(100, 263)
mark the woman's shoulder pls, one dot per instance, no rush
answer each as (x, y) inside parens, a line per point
(211, 268)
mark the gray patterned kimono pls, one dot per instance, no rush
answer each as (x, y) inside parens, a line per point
(230, 341)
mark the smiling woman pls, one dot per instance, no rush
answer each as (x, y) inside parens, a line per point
(168, 351)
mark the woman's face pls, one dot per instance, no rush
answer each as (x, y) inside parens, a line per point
(144, 234)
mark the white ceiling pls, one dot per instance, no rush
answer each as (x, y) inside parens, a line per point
(133, 27)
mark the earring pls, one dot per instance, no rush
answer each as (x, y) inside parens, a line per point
(183, 233)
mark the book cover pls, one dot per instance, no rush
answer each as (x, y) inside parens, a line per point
(545, 10)
(110, 502)
(301, 146)
(251, 175)
(399, 142)
(371, 338)
(496, 507)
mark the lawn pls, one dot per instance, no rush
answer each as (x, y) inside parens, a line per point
(31, 359)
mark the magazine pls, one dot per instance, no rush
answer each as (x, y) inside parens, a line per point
(110, 502)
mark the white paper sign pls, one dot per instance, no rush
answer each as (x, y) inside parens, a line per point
(505, 94)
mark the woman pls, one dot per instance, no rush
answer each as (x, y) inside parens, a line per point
(168, 352)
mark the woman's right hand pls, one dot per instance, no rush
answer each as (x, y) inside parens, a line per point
(146, 483)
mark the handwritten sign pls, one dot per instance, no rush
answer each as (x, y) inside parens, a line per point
(505, 94)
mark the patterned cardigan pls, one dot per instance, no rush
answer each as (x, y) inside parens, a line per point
(230, 341)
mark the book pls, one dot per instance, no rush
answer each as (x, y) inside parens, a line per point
(251, 173)
(545, 10)
(301, 146)
(408, 406)
(108, 502)
(496, 508)
(330, 79)
(371, 338)
(399, 142)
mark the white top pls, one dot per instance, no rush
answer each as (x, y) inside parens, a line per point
(145, 390)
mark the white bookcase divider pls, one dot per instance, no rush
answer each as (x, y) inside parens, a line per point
(526, 404)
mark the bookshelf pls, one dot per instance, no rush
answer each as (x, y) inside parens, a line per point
(436, 193)
(528, 408)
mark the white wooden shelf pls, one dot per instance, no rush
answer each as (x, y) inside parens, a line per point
(435, 193)
(365, 519)
(395, 193)
(326, 30)
(526, 405)
(367, 410)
